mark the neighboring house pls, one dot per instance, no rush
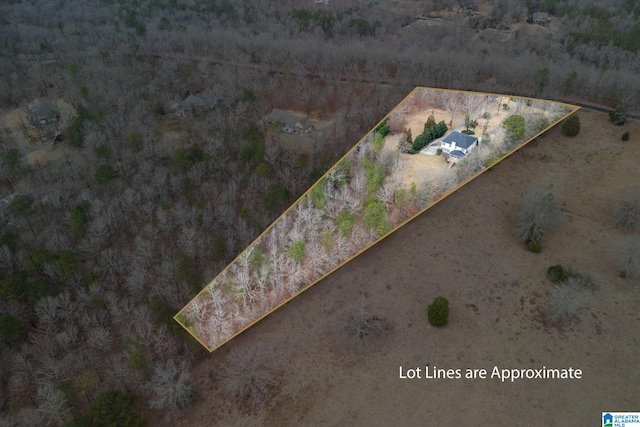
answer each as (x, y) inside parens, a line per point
(458, 144)
(42, 113)
(541, 18)
(469, 5)
(291, 123)
(196, 104)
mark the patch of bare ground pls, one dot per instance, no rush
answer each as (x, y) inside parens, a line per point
(465, 248)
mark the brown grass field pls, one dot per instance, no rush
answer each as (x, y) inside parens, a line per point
(465, 249)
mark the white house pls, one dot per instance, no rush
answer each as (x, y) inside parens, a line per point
(458, 144)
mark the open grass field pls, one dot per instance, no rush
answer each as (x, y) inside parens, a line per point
(465, 249)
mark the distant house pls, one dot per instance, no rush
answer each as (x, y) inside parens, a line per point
(458, 144)
(197, 104)
(469, 5)
(42, 113)
(541, 18)
(291, 123)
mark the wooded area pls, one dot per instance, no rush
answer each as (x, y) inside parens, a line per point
(116, 208)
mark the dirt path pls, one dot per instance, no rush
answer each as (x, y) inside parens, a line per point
(464, 248)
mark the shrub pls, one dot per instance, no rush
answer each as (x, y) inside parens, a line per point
(571, 126)
(564, 301)
(625, 136)
(557, 274)
(439, 312)
(618, 116)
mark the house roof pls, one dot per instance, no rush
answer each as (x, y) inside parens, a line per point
(457, 154)
(41, 109)
(461, 140)
(289, 119)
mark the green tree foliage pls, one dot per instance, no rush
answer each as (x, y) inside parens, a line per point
(9, 240)
(542, 79)
(438, 312)
(252, 153)
(428, 135)
(296, 250)
(362, 27)
(275, 196)
(219, 245)
(185, 158)
(105, 173)
(571, 126)
(79, 219)
(112, 408)
(375, 173)
(375, 217)
(11, 329)
(618, 116)
(514, 126)
(346, 220)
(68, 264)
(383, 128)
(307, 20)
(263, 170)
(326, 239)
(378, 142)
(187, 271)
(12, 159)
(134, 141)
(318, 193)
(400, 198)
(21, 206)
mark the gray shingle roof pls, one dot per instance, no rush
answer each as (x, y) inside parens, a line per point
(462, 140)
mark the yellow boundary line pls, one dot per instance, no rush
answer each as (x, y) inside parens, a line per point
(574, 108)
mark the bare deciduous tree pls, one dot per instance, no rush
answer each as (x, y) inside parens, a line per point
(540, 212)
(249, 375)
(169, 387)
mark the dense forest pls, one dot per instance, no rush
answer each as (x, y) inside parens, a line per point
(116, 218)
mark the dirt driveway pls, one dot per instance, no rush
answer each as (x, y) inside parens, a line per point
(464, 248)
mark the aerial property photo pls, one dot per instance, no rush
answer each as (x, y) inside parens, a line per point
(364, 197)
(319, 213)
